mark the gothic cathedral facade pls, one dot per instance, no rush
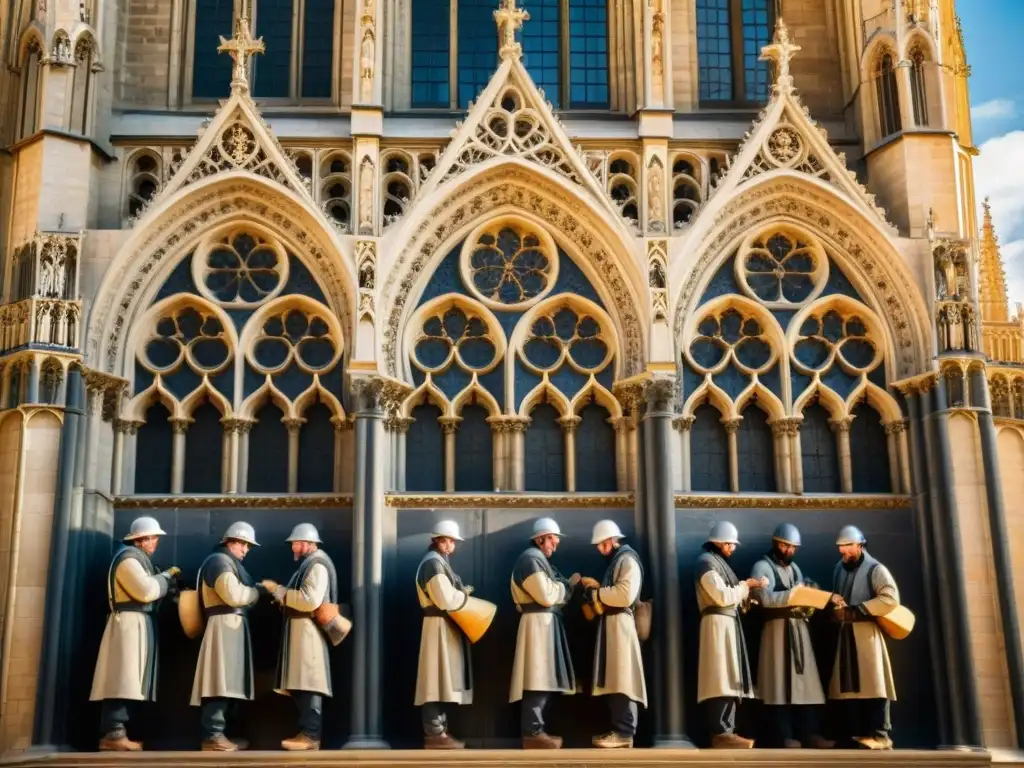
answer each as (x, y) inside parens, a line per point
(369, 262)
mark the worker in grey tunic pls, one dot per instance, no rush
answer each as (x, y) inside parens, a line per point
(618, 665)
(723, 676)
(224, 669)
(787, 673)
(444, 675)
(303, 666)
(542, 663)
(127, 664)
(862, 683)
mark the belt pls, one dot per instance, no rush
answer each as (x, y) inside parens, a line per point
(837, 616)
(224, 610)
(536, 608)
(770, 614)
(133, 607)
(715, 610)
(616, 611)
(434, 612)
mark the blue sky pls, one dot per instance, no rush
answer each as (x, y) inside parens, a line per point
(992, 40)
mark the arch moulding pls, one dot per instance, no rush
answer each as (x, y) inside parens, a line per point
(868, 257)
(172, 229)
(608, 259)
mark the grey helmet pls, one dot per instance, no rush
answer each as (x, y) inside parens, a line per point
(143, 527)
(850, 534)
(305, 532)
(724, 532)
(787, 533)
(241, 531)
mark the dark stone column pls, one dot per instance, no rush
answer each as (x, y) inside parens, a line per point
(1000, 549)
(923, 518)
(964, 724)
(32, 390)
(369, 394)
(57, 657)
(660, 395)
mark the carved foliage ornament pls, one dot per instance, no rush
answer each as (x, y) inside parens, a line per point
(446, 220)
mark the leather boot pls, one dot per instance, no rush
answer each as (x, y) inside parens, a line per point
(613, 740)
(442, 741)
(819, 742)
(219, 743)
(874, 742)
(542, 741)
(300, 743)
(730, 741)
(118, 743)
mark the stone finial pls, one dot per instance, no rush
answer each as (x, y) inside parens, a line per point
(781, 51)
(510, 18)
(241, 48)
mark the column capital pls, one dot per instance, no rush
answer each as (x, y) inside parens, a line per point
(449, 424)
(233, 425)
(786, 426)
(658, 390)
(293, 424)
(683, 423)
(732, 425)
(374, 391)
(179, 424)
(917, 385)
(841, 426)
(342, 423)
(127, 426)
(570, 423)
(894, 427)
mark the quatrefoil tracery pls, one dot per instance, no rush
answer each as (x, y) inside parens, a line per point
(240, 266)
(191, 335)
(564, 335)
(835, 336)
(731, 335)
(294, 335)
(454, 335)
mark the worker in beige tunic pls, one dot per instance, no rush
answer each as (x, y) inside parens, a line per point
(128, 661)
(542, 663)
(224, 668)
(862, 683)
(787, 672)
(618, 666)
(723, 676)
(444, 676)
(303, 666)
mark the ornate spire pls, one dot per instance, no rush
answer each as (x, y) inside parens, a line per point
(510, 18)
(241, 48)
(992, 289)
(781, 51)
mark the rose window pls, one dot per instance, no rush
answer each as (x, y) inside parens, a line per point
(294, 335)
(825, 338)
(565, 334)
(454, 335)
(780, 267)
(731, 335)
(507, 263)
(242, 268)
(188, 334)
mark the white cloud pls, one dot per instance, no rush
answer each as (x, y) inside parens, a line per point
(996, 109)
(999, 175)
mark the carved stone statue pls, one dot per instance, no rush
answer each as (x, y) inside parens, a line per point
(366, 65)
(655, 193)
(366, 197)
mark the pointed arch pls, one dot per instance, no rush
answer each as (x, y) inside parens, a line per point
(474, 394)
(33, 32)
(600, 395)
(884, 403)
(205, 392)
(267, 391)
(175, 224)
(316, 393)
(713, 395)
(135, 409)
(759, 395)
(427, 392)
(826, 396)
(545, 393)
(860, 245)
(607, 254)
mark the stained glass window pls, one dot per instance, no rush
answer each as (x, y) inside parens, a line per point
(317, 49)
(478, 47)
(211, 71)
(730, 35)
(540, 39)
(431, 31)
(272, 69)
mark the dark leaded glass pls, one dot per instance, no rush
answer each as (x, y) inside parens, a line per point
(757, 33)
(211, 71)
(478, 47)
(588, 54)
(317, 49)
(272, 70)
(431, 31)
(714, 50)
(540, 38)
